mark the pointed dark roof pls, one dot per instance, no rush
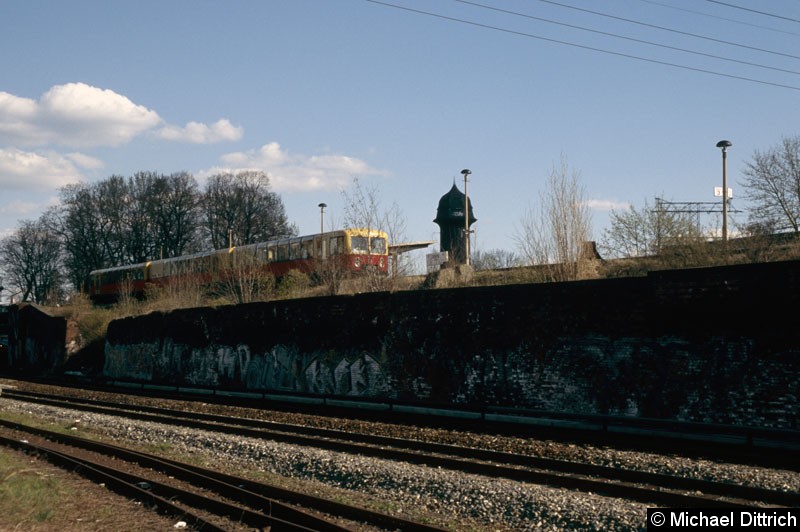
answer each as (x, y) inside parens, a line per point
(451, 208)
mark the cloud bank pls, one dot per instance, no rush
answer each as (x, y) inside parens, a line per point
(78, 115)
(197, 133)
(45, 142)
(25, 170)
(291, 172)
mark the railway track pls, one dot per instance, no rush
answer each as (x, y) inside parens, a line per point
(651, 488)
(232, 501)
(758, 446)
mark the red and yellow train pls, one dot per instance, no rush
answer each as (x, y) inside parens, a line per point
(346, 250)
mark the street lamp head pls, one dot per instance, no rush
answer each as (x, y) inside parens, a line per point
(466, 172)
(322, 205)
(724, 144)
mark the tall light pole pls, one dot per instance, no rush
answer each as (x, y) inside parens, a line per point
(724, 145)
(322, 216)
(466, 172)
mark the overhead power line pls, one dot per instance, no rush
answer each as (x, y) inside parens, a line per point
(672, 30)
(581, 46)
(632, 39)
(754, 11)
(716, 17)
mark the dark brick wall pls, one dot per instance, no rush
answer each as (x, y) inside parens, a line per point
(36, 340)
(713, 344)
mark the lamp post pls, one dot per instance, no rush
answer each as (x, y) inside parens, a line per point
(322, 216)
(724, 145)
(466, 172)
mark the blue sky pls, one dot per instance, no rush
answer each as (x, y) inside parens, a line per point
(319, 92)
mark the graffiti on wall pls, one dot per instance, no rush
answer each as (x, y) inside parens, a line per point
(283, 367)
(360, 377)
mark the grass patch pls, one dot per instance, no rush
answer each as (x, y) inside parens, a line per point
(29, 496)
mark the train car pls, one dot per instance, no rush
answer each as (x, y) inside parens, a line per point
(350, 251)
(105, 286)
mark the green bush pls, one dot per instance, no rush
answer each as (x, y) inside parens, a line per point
(293, 283)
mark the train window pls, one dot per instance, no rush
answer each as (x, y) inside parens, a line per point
(333, 246)
(283, 252)
(294, 250)
(377, 245)
(308, 249)
(340, 246)
(271, 253)
(359, 244)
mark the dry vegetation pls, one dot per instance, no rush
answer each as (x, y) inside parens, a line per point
(37, 496)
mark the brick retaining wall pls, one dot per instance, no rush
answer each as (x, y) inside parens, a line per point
(711, 344)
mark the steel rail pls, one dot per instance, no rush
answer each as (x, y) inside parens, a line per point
(662, 489)
(125, 487)
(252, 493)
(768, 447)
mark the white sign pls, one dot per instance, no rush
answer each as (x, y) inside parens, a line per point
(435, 260)
(718, 192)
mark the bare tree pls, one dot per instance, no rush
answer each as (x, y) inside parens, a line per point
(31, 258)
(128, 220)
(176, 214)
(244, 207)
(162, 215)
(363, 208)
(78, 223)
(648, 231)
(555, 234)
(111, 201)
(138, 220)
(494, 259)
(243, 279)
(772, 185)
(125, 220)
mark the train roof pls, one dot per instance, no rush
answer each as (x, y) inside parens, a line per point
(120, 268)
(279, 240)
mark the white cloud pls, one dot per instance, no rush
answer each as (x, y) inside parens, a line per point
(23, 170)
(82, 115)
(197, 133)
(79, 115)
(288, 172)
(76, 115)
(17, 117)
(85, 161)
(607, 205)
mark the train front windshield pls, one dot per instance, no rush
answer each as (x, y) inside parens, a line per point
(375, 245)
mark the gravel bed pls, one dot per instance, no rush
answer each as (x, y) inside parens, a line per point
(460, 501)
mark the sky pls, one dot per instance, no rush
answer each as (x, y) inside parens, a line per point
(400, 95)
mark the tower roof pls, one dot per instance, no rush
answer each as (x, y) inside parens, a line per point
(451, 208)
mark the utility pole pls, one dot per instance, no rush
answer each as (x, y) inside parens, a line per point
(724, 145)
(466, 172)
